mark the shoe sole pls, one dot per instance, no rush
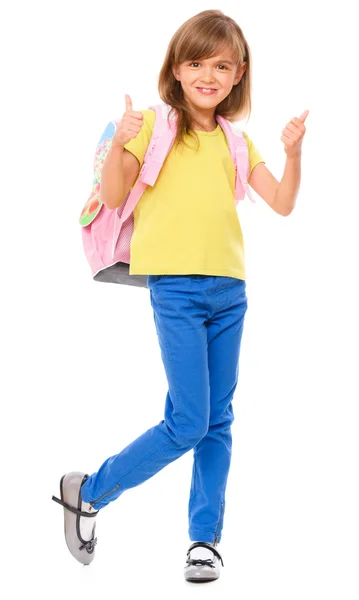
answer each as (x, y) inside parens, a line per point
(206, 580)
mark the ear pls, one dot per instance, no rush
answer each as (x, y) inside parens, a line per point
(175, 72)
(240, 72)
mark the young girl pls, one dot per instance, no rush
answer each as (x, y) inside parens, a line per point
(188, 236)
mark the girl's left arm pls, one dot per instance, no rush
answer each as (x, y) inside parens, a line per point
(281, 196)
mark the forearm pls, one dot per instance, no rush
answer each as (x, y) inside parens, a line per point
(288, 188)
(112, 188)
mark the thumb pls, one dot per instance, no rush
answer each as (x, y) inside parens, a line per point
(304, 115)
(128, 103)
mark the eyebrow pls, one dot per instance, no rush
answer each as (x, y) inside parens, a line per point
(222, 62)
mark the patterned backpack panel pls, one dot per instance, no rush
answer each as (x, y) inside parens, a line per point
(94, 204)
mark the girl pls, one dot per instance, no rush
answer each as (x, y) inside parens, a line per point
(188, 236)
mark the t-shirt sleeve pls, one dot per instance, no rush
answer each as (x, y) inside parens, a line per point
(254, 155)
(138, 145)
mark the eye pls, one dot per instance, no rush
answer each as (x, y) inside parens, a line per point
(197, 63)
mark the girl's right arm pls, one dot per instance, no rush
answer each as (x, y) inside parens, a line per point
(119, 171)
(121, 167)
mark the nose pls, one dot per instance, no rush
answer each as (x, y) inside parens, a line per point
(207, 75)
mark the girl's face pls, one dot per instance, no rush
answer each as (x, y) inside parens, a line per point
(206, 83)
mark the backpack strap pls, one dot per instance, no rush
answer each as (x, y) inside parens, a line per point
(239, 151)
(159, 146)
(161, 142)
(163, 136)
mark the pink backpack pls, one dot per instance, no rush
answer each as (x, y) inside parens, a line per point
(106, 233)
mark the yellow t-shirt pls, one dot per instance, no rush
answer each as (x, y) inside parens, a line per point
(187, 223)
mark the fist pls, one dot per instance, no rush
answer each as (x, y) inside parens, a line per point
(129, 126)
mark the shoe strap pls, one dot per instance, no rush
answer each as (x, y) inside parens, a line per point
(208, 546)
(74, 510)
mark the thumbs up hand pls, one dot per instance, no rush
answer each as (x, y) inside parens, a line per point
(293, 135)
(129, 126)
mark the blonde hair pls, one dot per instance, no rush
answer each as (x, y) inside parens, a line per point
(202, 36)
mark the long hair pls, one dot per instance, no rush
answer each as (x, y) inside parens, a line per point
(202, 36)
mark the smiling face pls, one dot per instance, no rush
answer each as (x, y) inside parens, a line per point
(207, 82)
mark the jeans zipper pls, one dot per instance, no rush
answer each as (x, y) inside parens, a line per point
(219, 522)
(104, 496)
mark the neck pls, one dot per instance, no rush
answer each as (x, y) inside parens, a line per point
(204, 126)
(204, 120)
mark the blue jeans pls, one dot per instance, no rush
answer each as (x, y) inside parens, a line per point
(199, 322)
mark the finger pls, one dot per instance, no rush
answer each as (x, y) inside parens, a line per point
(134, 130)
(291, 127)
(135, 122)
(135, 117)
(301, 119)
(128, 103)
(132, 122)
(290, 130)
(297, 122)
(288, 134)
(304, 115)
(129, 109)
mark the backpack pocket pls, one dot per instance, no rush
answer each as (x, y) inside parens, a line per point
(91, 209)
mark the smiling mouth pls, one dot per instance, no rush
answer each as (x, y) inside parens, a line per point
(206, 91)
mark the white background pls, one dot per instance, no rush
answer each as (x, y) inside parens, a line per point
(82, 373)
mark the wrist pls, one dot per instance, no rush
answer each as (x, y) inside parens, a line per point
(117, 147)
(295, 155)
